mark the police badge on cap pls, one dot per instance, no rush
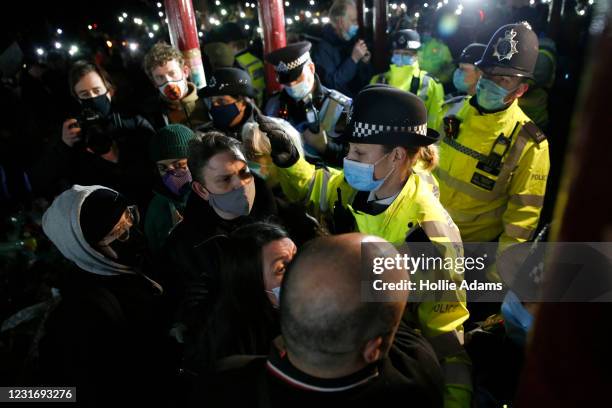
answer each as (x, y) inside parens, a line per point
(228, 81)
(406, 40)
(512, 51)
(385, 115)
(289, 61)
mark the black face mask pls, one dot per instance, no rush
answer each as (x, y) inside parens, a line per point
(100, 104)
(130, 252)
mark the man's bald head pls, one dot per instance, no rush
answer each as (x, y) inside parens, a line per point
(323, 318)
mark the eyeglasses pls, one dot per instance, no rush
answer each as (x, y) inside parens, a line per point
(175, 165)
(121, 232)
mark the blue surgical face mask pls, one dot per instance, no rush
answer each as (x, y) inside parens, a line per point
(276, 292)
(403, 59)
(517, 319)
(352, 32)
(491, 96)
(301, 89)
(459, 80)
(223, 115)
(360, 176)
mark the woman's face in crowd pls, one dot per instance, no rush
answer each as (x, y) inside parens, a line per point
(371, 153)
(163, 166)
(276, 255)
(91, 85)
(223, 100)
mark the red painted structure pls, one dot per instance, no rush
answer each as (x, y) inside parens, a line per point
(184, 36)
(272, 22)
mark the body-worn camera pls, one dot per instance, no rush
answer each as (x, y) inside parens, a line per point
(96, 131)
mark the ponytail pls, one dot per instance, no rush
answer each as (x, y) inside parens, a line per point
(428, 155)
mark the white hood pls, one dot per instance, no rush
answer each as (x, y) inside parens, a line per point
(62, 226)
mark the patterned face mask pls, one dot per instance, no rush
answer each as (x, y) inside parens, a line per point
(176, 180)
(174, 90)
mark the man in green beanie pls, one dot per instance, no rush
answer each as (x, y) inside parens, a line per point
(169, 150)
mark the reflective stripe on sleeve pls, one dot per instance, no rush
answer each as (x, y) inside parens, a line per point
(436, 229)
(516, 231)
(527, 199)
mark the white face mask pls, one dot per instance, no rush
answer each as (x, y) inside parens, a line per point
(174, 90)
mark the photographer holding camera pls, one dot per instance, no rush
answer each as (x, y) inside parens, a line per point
(98, 145)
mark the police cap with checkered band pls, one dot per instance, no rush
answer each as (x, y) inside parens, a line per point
(289, 61)
(512, 51)
(388, 116)
(406, 40)
(228, 81)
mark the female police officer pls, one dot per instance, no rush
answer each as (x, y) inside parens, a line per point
(380, 193)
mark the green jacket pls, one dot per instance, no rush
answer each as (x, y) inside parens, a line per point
(163, 214)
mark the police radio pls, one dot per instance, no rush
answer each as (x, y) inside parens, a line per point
(494, 161)
(312, 116)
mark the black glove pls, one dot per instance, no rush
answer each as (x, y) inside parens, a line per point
(343, 218)
(284, 153)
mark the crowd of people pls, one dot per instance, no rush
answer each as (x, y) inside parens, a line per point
(204, 247)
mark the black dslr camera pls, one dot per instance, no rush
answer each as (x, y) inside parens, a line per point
(96, 131)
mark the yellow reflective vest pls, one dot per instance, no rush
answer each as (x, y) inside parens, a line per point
(485, 200)
(415, 206)
(428, 90)
(255, 67)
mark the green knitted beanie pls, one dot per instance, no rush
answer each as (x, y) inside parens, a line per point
(171, 142)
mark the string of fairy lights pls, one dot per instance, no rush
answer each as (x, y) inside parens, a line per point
(149, 30)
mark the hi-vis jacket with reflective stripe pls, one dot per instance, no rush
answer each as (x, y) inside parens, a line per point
(255, 67)
(415, 207)
(429, 90)
(484, 205)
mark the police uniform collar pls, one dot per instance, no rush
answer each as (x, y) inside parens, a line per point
(279, 366)
(319, 91)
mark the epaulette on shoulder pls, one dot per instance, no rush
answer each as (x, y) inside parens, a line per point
(340, 97)
(534, 132)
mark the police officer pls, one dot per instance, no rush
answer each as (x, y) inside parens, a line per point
(229, 95)
(465, 77)
(467, 74)
(405, 74)
(380, 193)
(493, 160)
(535, 102)
(317, 112)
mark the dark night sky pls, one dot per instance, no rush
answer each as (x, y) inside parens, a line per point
(33, 21)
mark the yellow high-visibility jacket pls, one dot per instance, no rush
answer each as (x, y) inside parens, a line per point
(255, 67)
(415, 207)
(429, 90)
(485, 205)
